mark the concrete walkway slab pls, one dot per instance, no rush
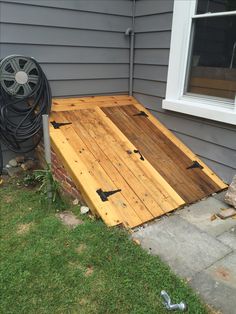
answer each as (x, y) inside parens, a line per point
(200, 214)
(229, 238)
(218, 295)
(182, 245)
(225, 271)
(217, 284)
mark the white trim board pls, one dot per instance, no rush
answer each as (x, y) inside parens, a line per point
(200, 106)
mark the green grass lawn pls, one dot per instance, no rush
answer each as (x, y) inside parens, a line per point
(47, 268)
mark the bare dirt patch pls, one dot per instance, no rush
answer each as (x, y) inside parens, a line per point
(89, 271)
(69, 219)
(211, 310)
(86, 270)
(83, 301)
(24, 228)
(8, 199)
(81, 248)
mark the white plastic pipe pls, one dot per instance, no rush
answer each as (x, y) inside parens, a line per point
(47, 150)
(46, 139)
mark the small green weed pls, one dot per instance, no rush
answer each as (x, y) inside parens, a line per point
(48, 188)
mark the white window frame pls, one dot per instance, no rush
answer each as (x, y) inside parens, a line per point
(197, 105)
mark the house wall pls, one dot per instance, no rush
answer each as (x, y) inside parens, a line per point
(214, 142)
(80, 44)
(82, 48)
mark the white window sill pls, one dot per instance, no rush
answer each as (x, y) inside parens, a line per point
(203, 110)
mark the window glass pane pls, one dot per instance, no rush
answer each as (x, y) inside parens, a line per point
(213, 6)
(212, 68)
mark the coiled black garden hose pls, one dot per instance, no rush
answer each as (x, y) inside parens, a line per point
(25, 96)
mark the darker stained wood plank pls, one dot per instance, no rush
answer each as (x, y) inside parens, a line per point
(162, 153)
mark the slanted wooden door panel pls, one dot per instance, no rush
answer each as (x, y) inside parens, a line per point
(173, 164)
(110, 146)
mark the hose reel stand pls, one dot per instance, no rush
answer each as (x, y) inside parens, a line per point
(25, 96)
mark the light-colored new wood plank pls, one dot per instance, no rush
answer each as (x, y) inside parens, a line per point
(181, 146)
(120, 201)
(91, 99)
(85, 182)
(102, 145)
(78, 105)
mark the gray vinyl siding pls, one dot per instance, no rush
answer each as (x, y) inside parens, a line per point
(80, 44)
(153, 21)
(214, 142)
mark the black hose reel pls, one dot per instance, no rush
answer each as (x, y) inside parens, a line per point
(19, 76)
(25, 96)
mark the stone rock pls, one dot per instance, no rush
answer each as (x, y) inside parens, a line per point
(29, 165)
(230, 197)
(226, 213)
(13, 162)
(75, 202)
(84, 210)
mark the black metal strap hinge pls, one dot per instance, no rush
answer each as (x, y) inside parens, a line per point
(57, 125)
(194, 165)
(141, 113)
(136, 151)
(105, 194)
